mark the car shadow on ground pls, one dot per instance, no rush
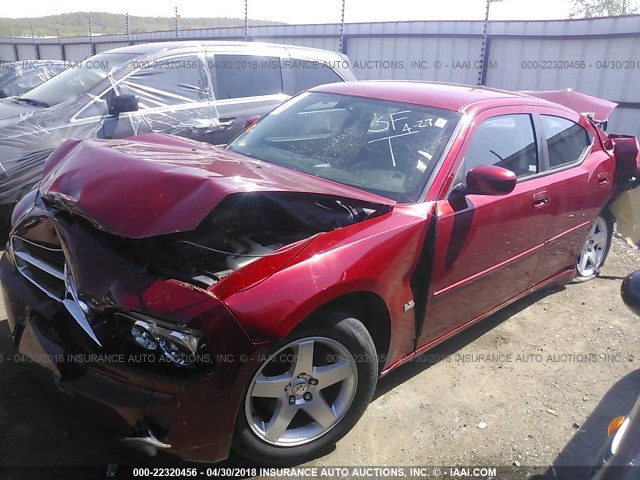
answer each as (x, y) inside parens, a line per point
(575, 460)
(457, 342)
(40, 427)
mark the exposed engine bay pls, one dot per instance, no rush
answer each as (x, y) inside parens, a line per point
(243, 228)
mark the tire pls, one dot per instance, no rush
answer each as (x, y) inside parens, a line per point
(6, 210)
(342, 348)
(595, 249)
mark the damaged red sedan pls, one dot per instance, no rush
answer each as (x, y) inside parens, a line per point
(203, 299)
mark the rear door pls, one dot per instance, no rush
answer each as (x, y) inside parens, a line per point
(487, 247)
(579, 178)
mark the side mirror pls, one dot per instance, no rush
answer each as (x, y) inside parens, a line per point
(3, 93)
(490, 180)
(630, 291)
(122, 104)
(625, 149)
(251, 121)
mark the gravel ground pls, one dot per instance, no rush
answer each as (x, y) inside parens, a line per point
(533, 385)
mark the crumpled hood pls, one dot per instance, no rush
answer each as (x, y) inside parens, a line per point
(158, 184)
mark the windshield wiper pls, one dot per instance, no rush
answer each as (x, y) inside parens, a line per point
(31, 101)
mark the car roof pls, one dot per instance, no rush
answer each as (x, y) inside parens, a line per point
(26, 65)
(448, 96)
(154, 47)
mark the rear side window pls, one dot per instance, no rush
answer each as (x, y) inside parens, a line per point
(306, 78)
(239, 76)
(567, 141)
(506, 141)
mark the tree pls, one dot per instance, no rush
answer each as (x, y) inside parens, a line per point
(602, 8)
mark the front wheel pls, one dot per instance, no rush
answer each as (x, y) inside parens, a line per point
(308, 393)
(595, 249)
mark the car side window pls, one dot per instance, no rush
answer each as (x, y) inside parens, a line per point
(566, 140)
(240, 76)
(305, 78)
(506, 141)
(165, 82)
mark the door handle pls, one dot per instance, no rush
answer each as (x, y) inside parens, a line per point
(540, 199)
(227, 122)
(603, 178)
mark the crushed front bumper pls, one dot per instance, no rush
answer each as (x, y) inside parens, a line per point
(190, 416)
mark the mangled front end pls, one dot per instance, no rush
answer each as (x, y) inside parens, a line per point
(123, 298)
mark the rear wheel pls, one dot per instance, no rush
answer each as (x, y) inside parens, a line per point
(308, 393)
(595, 249)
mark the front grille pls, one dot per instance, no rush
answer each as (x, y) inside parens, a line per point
(43, 265)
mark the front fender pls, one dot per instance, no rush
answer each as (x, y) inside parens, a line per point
(379, 258)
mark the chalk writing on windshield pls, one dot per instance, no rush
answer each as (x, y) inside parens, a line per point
(400, 124)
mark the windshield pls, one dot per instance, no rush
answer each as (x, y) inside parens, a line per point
(383, 147)
(78, 79)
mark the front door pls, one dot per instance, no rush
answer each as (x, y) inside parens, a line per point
(487, 247)
(174, 97)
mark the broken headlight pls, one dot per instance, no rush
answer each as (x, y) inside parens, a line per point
(176, 344)
(142, 334)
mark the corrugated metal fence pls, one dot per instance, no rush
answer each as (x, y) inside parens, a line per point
(600, 57)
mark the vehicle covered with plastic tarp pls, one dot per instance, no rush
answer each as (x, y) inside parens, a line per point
(18, 77)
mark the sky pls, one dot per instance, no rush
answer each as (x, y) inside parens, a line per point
(306, 11)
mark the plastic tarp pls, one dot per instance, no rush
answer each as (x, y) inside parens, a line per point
(174, 97)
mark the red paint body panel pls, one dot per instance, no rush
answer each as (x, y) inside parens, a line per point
(491, 248)
(377, 257)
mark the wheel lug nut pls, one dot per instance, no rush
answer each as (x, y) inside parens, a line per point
(287, 388)
(292, 400)
(308, 397)
(302, 375)
(313, 381)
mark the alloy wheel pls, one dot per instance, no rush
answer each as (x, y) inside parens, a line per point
(301, 392)
(594, 249)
